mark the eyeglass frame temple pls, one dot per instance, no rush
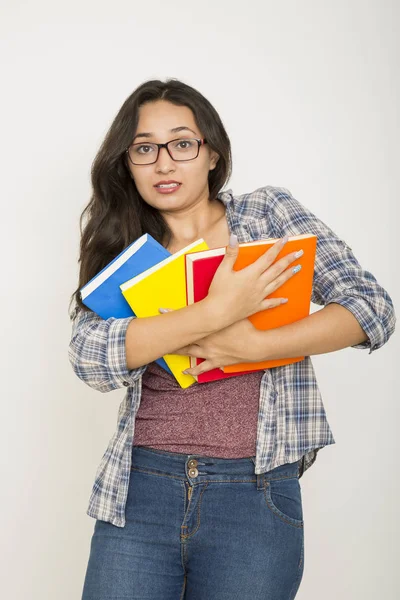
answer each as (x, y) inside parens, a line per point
(200, 142)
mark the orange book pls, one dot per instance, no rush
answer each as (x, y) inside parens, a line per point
(201, 267)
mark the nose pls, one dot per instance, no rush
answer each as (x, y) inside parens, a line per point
(164, 162)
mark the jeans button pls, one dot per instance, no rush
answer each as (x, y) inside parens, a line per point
(192, 463)
(193, 472)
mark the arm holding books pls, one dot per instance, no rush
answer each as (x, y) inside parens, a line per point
(97, 351)
(358, 312)
(149, 338)
(111, 353)
(108, 354)
(326, 330)
(340, 284)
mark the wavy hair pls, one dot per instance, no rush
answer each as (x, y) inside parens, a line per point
(116, 214)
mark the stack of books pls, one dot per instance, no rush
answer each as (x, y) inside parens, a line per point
(145, 277)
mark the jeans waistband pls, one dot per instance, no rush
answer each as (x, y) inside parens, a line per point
(197, 467)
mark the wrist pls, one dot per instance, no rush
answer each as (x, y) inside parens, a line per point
(259, 350)
(213, 314)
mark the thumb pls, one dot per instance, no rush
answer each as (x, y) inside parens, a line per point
(232, 249)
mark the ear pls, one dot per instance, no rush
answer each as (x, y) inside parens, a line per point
(213, 160)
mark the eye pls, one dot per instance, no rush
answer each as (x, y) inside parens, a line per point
(186, 144)
(146, 148)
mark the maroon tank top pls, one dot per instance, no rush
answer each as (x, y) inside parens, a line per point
(217, 418)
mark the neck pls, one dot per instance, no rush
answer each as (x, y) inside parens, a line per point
(198, 222)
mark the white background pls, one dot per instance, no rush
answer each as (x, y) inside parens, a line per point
(309, 94)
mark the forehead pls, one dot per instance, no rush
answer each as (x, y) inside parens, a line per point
(161, 116)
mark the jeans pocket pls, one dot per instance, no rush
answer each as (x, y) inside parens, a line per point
(283, 498)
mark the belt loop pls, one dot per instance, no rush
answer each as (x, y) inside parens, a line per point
(260, 481)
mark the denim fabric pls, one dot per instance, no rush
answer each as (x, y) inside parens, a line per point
(201, 528)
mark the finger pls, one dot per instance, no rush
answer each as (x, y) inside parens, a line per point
(272, 302)
(231, 252)
(271, 285)
(267, 258)
(203, 367)
(278, 273)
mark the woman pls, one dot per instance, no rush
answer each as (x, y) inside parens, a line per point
(198, 493)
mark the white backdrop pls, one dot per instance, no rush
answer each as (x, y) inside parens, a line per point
(311, 88)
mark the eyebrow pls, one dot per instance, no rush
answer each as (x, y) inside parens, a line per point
(174, 130)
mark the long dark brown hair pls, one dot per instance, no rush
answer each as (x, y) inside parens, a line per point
(116, 214)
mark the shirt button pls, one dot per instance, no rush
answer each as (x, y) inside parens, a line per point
(126, 383)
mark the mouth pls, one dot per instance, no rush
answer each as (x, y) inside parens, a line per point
(168, 185)
(167, 188)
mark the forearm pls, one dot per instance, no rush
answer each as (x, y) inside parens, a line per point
(149, 338)
(327, 330)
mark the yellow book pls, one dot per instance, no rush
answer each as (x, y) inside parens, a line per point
(164, 285)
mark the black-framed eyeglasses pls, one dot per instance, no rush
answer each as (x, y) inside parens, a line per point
(180, 150)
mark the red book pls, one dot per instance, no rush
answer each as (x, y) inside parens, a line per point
(199, 274)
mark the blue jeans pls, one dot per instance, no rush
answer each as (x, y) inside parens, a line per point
(201, 528)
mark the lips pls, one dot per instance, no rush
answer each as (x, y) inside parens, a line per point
(167, 188)
(169, 183)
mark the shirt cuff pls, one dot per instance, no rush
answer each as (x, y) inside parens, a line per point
(116, 354)
(367, 319)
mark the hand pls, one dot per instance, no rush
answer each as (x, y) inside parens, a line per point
(233, 344)
(236, 295)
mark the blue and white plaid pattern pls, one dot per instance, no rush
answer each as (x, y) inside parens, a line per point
(292, 423)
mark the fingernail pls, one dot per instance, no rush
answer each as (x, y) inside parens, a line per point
(163, 310)
(185, 372)
(299, 253)
(284, 300)
(297, 269)
(233, 240)
(284, 240)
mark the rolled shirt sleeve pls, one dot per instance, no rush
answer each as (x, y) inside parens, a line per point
(338, 276)
(97, 351)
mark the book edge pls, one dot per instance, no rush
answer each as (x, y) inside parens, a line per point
(222, 249)
(113, 266)
(125, 286)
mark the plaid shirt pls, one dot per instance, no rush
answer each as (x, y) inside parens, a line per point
(292, 423)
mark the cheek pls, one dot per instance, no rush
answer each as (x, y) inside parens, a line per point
(141, 178)
(196, 173)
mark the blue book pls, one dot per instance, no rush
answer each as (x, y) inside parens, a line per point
(102, 293)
